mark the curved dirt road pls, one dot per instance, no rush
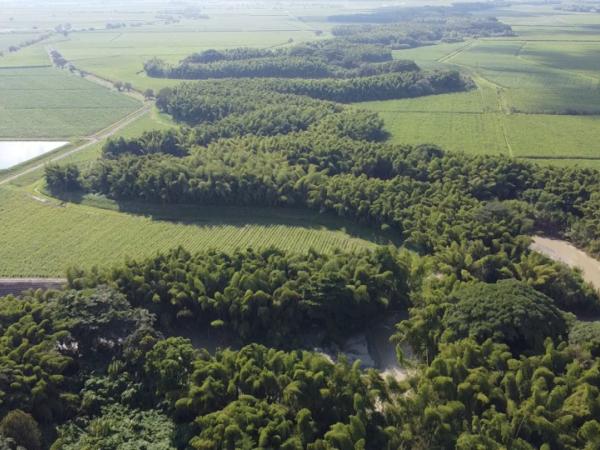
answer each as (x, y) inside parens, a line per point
(570, 255)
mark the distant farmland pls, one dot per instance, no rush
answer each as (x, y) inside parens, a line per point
(537, 96)
(43, 102)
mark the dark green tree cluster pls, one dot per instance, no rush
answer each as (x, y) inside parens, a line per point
(209, 103)
(508, 311)
(264, 398)
(480, 396)
(169, 142)
(91, 366)
(247, 292)
(49, 341)
(406, 27)
(409, 34)
(281, 66)
(370, 83)
(372, 87)
(92, 362)
(520, 311)
(62, 179)
(585, 335)
(321, 59)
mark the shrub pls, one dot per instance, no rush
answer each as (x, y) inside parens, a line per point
(23, 428)
(508, 311)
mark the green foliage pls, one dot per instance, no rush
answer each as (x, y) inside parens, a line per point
(330, 58)
(249, 291)
(372, 87)
(479, 396)
(148, 143)
(35, 375)
(60, 179)
(400, 28)
(169, 365)
(508, 311)
(124, 386)
(586, 335)
(22, 428)
(99, 322)
(119, 428)
(261, 397)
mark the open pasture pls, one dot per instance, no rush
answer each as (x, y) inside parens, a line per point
(533, 77)
(456, 125)
(554, 136)
(51, 103)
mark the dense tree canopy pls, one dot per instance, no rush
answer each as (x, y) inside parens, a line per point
(247, 292)
(507, 311)
(321, 59)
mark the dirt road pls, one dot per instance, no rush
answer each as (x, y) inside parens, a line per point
(570, 255)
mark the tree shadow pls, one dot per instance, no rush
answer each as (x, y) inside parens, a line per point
(238, 216)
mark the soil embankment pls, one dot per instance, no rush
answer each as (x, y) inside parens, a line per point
(15, 286)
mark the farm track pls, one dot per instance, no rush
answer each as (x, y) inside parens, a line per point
(500, 108)
(93, 138)
(105, 82)
(458, 51)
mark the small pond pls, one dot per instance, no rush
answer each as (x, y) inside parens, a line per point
(16, 152)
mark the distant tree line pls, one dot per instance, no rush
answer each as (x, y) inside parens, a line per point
(27, 43)
(321, 59)
(398, 35)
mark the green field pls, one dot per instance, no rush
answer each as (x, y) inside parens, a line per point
(51, 103)
(460, 122)
(59, 235)
(537, 95)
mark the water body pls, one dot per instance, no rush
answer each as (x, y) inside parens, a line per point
(570, 255)
(16, 152)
